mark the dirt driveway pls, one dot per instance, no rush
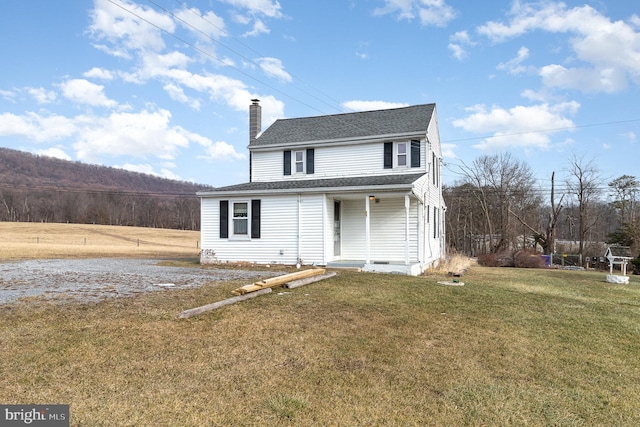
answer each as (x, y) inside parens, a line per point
(87, 280)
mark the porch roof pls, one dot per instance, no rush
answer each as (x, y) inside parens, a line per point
(397, 182)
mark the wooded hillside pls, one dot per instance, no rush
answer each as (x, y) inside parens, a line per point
(44, 189)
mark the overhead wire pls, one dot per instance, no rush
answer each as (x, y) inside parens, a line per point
(247, 46)
(204, 52)
(288, 95)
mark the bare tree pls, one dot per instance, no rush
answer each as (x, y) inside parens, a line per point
(546, 238)
(502, 184)
(624, 191)
(583, 183)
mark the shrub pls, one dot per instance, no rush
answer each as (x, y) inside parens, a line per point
(636, 265)
(488, 260)
(528, 258)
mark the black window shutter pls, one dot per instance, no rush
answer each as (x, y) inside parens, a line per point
(255, 219)
(224, 219)
(415, 154)
(310, 160)
(287, 162)
(388, 155)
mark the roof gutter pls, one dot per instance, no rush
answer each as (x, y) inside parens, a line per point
(337, 141)
(354, 189)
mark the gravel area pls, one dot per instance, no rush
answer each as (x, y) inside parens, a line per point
(89, 280)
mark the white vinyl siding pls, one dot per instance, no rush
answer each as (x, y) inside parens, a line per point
(333, 161)
(312, 229)
(278, 243)
(353, 230)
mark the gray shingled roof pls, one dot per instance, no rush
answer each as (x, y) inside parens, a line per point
(414, 119)
(309, 184)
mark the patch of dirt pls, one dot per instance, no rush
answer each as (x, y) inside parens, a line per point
(90, 280)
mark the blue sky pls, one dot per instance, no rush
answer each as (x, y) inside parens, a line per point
(163, 86)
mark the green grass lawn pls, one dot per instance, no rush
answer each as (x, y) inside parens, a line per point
(510, 347)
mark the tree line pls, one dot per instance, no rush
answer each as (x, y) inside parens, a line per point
(43, 189)
(105, 208)
(497, 205)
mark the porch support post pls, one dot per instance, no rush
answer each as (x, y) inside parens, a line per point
(407, 204)
(367, 230)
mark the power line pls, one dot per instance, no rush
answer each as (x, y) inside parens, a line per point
(335, 117)
(225, 32)
(202, 51)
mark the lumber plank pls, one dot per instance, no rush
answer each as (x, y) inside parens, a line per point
(301, 282)
(199, 310)
(278, 280)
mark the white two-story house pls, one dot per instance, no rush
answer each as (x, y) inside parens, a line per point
(356, 189)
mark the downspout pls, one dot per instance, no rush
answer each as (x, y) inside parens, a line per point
(407, 204)
(299, 262)
(324, 260)
(367, 231)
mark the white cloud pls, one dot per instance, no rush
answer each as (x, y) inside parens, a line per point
(129, 134)
(84, 92)
(177, 94)
(259, 27)
(8, 94)
(514, 66)
(609, 51)
(221, 150)
(274, 68)
(206, 26)
(55, 152)
(458, 44)
(41, 95)
(358, 105)
(608, 80)
(430, 12)
(523, 127)
(98, 73)
(128, 26)
(264, 7)
(37, 127)
(448, 151)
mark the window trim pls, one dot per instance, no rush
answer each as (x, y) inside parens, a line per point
(300, 162)
(245, 219)
(228, 218)
(399, 155)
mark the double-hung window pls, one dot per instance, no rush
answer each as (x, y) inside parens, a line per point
(299, 161)
(240, 218)
(402, 153)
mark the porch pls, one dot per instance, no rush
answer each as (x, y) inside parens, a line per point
(411, 269)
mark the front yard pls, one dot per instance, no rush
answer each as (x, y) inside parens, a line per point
(510, 347)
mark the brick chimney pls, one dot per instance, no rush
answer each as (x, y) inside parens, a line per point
(255, 126)
(255, 120)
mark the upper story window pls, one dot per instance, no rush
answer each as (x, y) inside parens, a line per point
(402, 154)
(401, 150)
(299, 162)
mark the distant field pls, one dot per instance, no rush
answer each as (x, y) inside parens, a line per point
(28, 240)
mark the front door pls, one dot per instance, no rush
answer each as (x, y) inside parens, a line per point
(337, 241)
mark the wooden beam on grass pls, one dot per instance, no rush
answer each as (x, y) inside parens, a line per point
(301, 282)
(278, 280)
(199, 310)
